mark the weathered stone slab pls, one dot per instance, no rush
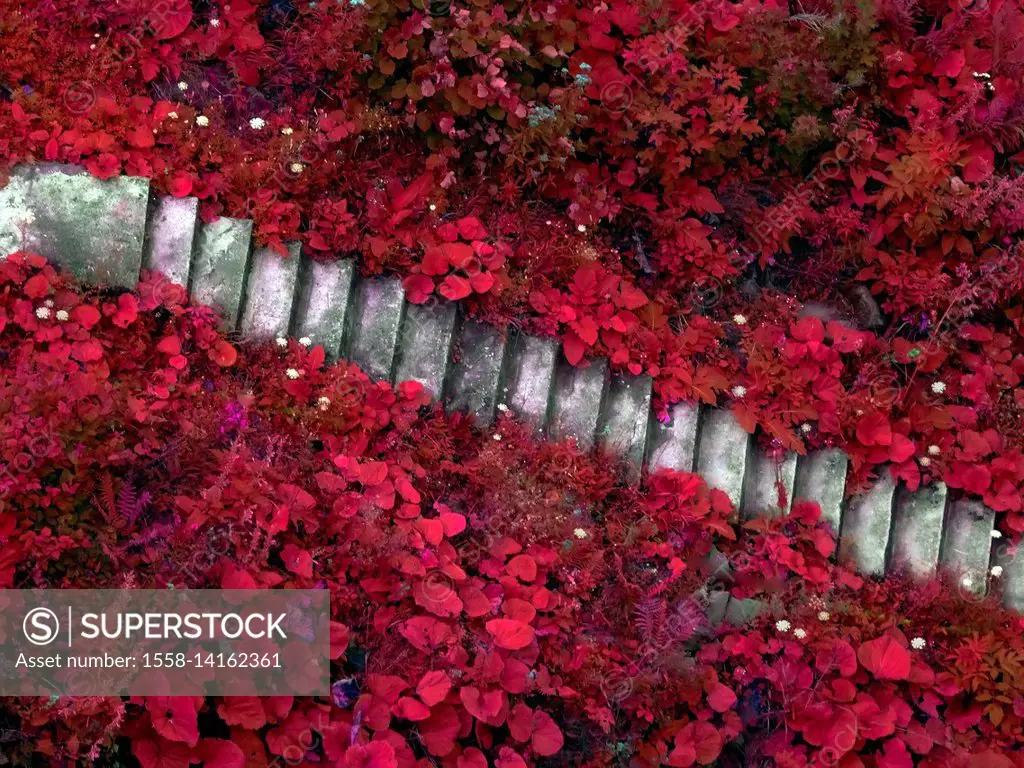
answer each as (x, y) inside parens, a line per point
(529, 377)
(1010, 558)
(576, 402)
(93, 228)
(722, 448)
(867, 521)
(374, 324)
(475, 375)
(170, 235)
(743, 610)
(324, 298)
(622, 430)
(821, 477)
(219, 266)
(270, 293)
(966, 545)
(674, 445)
(917, 530)
(425, 345)
(761, 493)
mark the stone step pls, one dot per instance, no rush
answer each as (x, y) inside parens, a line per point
(821, 477)
(625, 414)
(866, 522)
(576, 401)
(170, 238)
(93, 228)
(425, 345)
(220, 265)
(375, 321)
(722, 450)
(529, 377)
(761, 489)
(323, 303)
(917, 530)
(674, 445)
(967, 545)
(475, 376)
(270, 293)
(1011, 559)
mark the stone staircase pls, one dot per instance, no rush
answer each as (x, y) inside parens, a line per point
(106, 231)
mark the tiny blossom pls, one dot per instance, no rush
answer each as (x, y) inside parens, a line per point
(433, 207)
(582, 227)
(305, 341)
(323, 402)
(996, 571)
(924, 461)
(48, 302)
(297, 167)
(214, 22)
(62, 315)
(172, 115)
(182, 86)
(997, 534)
(42, 313)
(257, 123)
(739, 319)
(502, 407)
(782, 625)
(799, 634)
(967, 581)
(918, 643)
(281, 341)
(287, 131)
(203, 121)
(824, 616)
(938, 387)
(739, 391)
(291, 373)
(934, 450)
(497, 437)
(806, 428)
(579, 533)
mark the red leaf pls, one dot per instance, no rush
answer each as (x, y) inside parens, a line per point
(433, 687)
(523, 567)
(721, 698)
(37, 286)
(409, 708)
(547, 737)
(219, 753)
(85, 315)
(223, 354)
(150, 754)
(885, 658)
(509, 633)
(297, 560)
(170, 18)
(174, 718)
(454, 288)
(181, 184)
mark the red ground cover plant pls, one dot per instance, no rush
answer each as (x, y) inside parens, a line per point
(496, 601)
(661, 183)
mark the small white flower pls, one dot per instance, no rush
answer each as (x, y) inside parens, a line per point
(433, 207)
(281, 341)
(502, 407)
(934, 450)
(982, 75)
(824, 616)
(806, 428)
(739, 319)
(62, 315)
(306, 341)
(324, 403)
(581, 227)
(172, 115)
(997, 534)
(182, 86)
(43, 312)
(782, 625)
(967, 581)
(918, 643)
(291, 373)
(297, 167)
(48, 302)
(938, 387)
(799, 634)
(739, 391)
(202, 121)
(924, 461)
(214, 22)
(579, 533)
(287, 131)
(257, 123)
(996, 571)
(498, 438)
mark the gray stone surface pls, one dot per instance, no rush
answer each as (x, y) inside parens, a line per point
(622, 429)
(475, 375)
(323, 301)
(674, 445)
(867, 520)
(821, 477)
(761, 493)
(425, 345)
(375, 321)
(170, 236)
(576, 401)
(219, 266)
(529, 377)
(917, 530)
(270, 293)
(743, 611)
(1011, 559)
(722, 448)
(967, 544)
(92, 228)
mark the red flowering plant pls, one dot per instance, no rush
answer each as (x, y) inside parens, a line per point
(493, 601)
